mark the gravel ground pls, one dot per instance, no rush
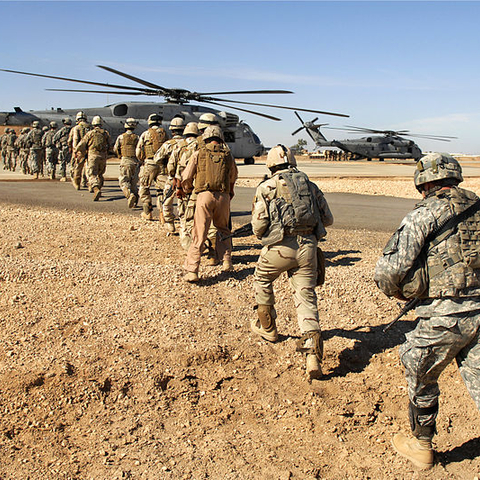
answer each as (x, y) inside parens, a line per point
(112, 367)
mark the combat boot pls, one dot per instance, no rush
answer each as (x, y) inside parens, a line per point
(265, 324)
(63, 179)
(147, 212)
(131, 200)
(212, 261)
(227, 265)
(311, 343)
(96, 194)
(170, 227)
(191, 277)
(314, 369)
(418, 450)
(76, 184)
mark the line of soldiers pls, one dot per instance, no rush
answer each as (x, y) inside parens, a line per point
(337, 156)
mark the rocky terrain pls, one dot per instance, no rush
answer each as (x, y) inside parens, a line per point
(112, 367)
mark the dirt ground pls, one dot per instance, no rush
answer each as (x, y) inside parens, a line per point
(112, 367)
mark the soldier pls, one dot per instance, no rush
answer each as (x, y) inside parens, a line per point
(149, 143)
(11, 151)
(214, 172)
(60, 140)
(22, 148)
(162, 158)
(51, 151)
(34, 143)
(95, 145)
(289, 215)
(124, 148)
(75, 136)
(177, 163)
(448, 309)
(3, 146)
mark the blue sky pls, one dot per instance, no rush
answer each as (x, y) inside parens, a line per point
(389, 65)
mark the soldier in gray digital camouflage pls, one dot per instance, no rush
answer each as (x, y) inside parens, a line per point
(95, 145)
(22, 148)
(124, 149)
(435, 256)
(11, 150)
(60, 140)
(34, 143)
(51, 151)
(149, 143)
(162, 157)
(289, 215)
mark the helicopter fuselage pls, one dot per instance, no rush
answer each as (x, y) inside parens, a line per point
(243, 142)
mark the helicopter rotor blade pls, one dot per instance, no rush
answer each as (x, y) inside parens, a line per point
(134, 79)
(243, 110)
(108, 85)
(276, 106)
(297, 130)
(97, 91)
(300, 118)
(244, 91)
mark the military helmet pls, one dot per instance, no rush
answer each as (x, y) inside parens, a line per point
(280, 155)
(36, 124)
(177, 124)
(25, 130)
(81, 116)
(67, 121)
(45, 128)
(207, 119)
(130, 123)
(437, 166)
(53, 124)
(191, 129)
(97, 121)
(213, 131)
(155, 119)
(7, 130)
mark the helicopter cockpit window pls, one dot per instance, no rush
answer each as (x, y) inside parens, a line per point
(120, 110)
(369, 139)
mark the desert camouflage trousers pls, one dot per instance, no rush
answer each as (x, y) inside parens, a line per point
(296, 255)
(63, 160)
(36, 160)
(150, 177)
(435, 342)
(51, 158)
(128, 178)
(211, 207)
(186, 212)
(96, 166)
(78, 165)
(167, 206)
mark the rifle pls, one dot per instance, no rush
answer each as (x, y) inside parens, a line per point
(243, 231)
(167, 195)
(410, 305)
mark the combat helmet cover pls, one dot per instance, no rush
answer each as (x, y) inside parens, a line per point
(177, 123)
(191, 129)
(437, 166)
(97, 121)
(213, 131)
(155, 119)
(66, 121)
(207, 119)
(130, 123)
(45, 128)
(81, 116)
(280, 155)
(53, 124)
(36, 124)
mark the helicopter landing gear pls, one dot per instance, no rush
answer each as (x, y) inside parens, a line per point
(249, 161)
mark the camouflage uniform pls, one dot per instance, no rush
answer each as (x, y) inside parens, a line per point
(449, 315)
(34, 143)
(11, 151)
(3, 147)
(51, 152)
(61, 142)
(22, 149)
(148, 144)
(291, 249)
(124, 148)
(166, 176)
(78, 162)
(95, 144)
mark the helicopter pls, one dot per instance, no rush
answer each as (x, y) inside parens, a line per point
(380, 144)
(240, 137)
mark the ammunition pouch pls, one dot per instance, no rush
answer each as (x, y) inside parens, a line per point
(317, 349)
(424, 427)
(267, 315)
(415, 282)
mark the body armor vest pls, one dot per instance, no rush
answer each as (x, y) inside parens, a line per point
(213, 168)
(48, 139)
(35, 138)
(294, 210)
(453, 264)
(61, 137)
(129, 143)
(98, 141)
(185, 154)
(156, 137)
(11, 140)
